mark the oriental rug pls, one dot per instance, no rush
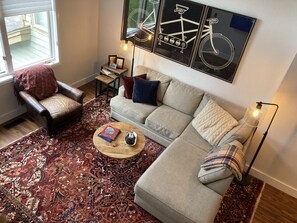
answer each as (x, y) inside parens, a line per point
(65, 179)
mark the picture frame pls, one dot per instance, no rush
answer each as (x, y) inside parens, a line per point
(139, 22)
(219, 50)
(120, 62)
(178, 30)
(113, 66)
(112, 59)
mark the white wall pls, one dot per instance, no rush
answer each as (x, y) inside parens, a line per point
(78, 34)
(266, 60)
(78, 44)
(279, 150)
(110, 21)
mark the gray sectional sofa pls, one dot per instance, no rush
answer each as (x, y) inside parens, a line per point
(170, 188)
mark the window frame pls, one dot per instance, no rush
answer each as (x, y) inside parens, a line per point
(41, 27)
(6, 51)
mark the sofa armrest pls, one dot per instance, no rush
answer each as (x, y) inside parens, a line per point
(121, 91)
(33, 103)
(71, 92)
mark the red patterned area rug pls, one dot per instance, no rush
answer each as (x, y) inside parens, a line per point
(65, 179)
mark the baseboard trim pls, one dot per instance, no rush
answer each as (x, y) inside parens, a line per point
(12, 114)
(84, 80)
(274, 182)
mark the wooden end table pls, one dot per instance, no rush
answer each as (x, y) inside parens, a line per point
(112, 81)
(118, 148)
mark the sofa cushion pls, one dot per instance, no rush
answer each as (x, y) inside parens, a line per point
(155, 76)
(220, 186)
(240, 133)
(168, 121)
(171, 185)
(213, 122)
(145, 91)
(236, 111)
(128, 83)
(192, 136)
(135, 111)
(182, 97)
(212, 175)
(208, 176)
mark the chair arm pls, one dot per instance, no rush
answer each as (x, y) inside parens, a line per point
(71, 92)
(34, 104)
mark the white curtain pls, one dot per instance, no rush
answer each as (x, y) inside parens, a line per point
(19, 7)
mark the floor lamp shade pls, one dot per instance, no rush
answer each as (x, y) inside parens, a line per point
(252, 117)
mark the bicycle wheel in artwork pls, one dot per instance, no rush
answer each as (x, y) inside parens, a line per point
(140, 22)
(222, 42)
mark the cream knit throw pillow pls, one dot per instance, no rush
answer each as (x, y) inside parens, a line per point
(213, 122)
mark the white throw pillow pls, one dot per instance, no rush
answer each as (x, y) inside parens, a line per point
(213, 122)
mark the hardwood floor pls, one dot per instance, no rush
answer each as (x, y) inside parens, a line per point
(274, 207)
(16, 129)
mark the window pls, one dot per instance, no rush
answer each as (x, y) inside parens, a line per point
(28, 34)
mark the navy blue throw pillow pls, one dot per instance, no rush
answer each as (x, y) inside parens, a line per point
(145, 91)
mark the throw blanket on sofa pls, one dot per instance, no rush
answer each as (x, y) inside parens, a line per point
(228, 155)
(39, 81)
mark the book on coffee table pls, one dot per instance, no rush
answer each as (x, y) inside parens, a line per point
(109, 133)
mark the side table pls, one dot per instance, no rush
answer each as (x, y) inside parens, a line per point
(112, 81)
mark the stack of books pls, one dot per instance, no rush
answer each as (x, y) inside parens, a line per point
(109, 133)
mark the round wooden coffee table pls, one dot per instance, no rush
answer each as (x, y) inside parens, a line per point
(118, 148)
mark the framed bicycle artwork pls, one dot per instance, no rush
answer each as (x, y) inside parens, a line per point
(222, 42)
(139, 22)
(207, 39)
(178, 29)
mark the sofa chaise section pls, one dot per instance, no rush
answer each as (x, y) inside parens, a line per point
(170, 189)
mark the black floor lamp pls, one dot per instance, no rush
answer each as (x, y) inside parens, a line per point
(256, 115)
(139, 36)
(125, 48)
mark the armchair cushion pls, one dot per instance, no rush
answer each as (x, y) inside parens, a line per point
(60, 105)
(39, 81)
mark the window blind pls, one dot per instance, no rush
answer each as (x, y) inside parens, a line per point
(19, 7)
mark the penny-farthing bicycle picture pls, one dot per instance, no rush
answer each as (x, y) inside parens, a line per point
(178, 29)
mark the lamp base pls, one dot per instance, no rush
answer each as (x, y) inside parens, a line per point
(244, 181)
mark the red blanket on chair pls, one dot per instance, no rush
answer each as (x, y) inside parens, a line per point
(39, 81)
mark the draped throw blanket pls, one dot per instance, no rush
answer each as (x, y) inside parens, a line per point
(39, 81)
(228, 155)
